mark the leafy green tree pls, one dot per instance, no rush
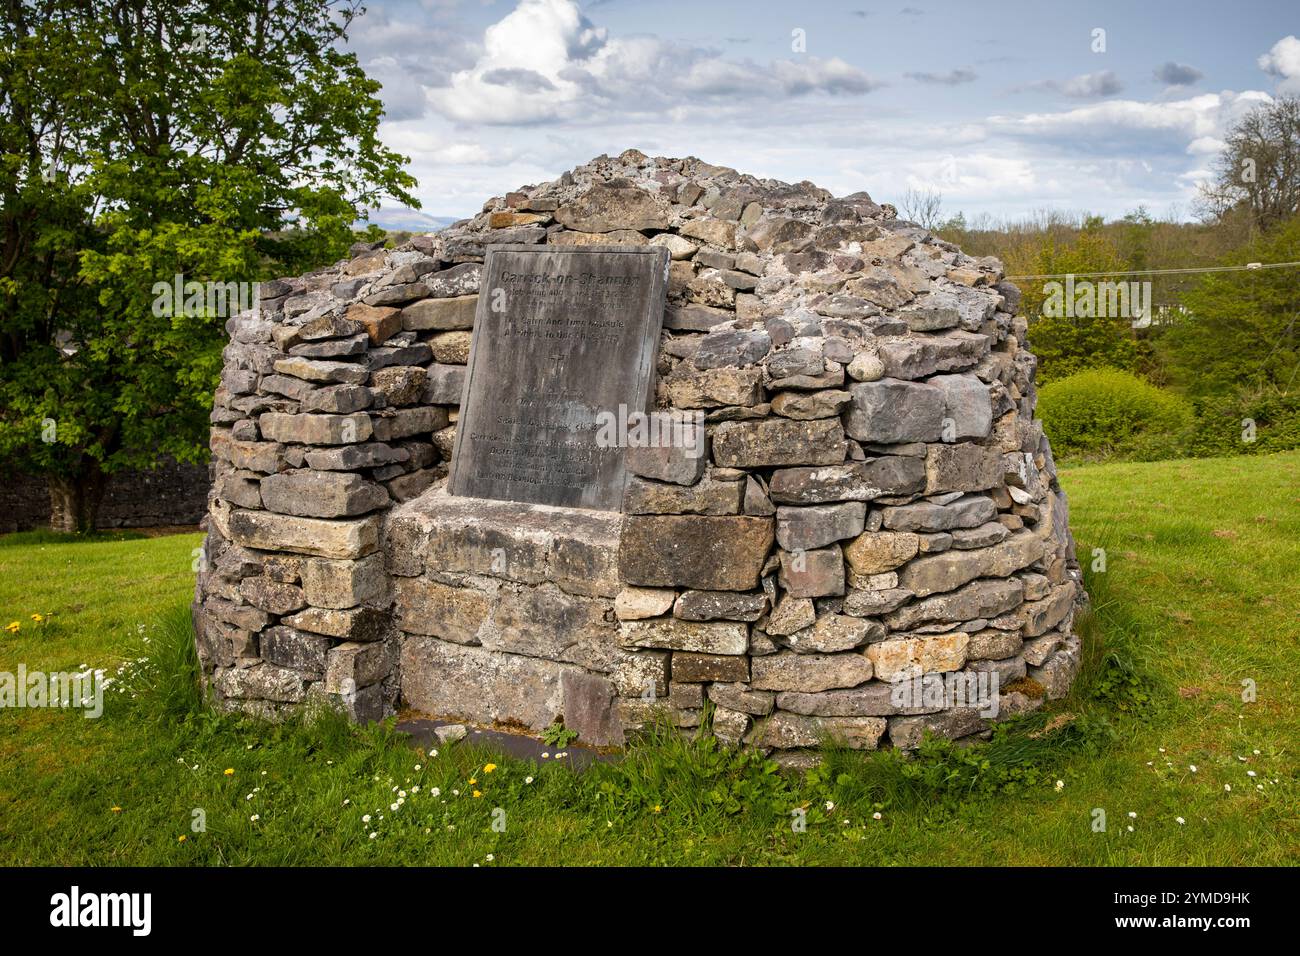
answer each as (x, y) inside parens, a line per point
(1133, 239)
(1243, 328)
(222, 141)
(1066, 344)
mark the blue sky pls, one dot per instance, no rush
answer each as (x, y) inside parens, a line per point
(1003, 108)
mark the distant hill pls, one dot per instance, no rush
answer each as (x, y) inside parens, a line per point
(401, 219)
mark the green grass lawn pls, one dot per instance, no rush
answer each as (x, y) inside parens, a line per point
(1199, 593)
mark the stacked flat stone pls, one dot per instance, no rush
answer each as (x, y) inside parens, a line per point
(876, 502)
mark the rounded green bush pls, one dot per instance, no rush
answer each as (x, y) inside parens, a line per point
(1104, 409)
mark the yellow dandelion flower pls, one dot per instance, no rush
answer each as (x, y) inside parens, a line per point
(488, 768)
(13, 627)
(181, 838)
(472, 781)
(230, 771)
(116, 809)
(38, 618)
(658, 809)
(477, 794)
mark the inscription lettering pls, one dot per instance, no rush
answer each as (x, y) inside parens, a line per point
(574, 336)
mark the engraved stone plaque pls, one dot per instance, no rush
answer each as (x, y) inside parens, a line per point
(564, 343)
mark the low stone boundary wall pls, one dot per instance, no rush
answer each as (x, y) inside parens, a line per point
(171, 494)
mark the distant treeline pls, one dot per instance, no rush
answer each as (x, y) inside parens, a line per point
(1219, 350)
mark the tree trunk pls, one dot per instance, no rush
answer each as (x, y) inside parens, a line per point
(75, 499)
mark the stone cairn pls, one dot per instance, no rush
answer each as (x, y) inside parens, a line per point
(877, 501)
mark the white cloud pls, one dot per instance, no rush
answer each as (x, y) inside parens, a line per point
(407, 57)
(811, 75)
(435, 150)
(1133, 124)
(545, 61)
(1102, 83)
(1206, 146)
(543, 88)
(972, 174)
(1283, 61)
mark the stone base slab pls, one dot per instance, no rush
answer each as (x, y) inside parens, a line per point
(576, 549)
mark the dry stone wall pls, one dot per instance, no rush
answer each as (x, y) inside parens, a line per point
(877, 508)
(171, 493)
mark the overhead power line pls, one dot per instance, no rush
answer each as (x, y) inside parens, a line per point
(1248, 267)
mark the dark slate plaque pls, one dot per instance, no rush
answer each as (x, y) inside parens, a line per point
(561, 336)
